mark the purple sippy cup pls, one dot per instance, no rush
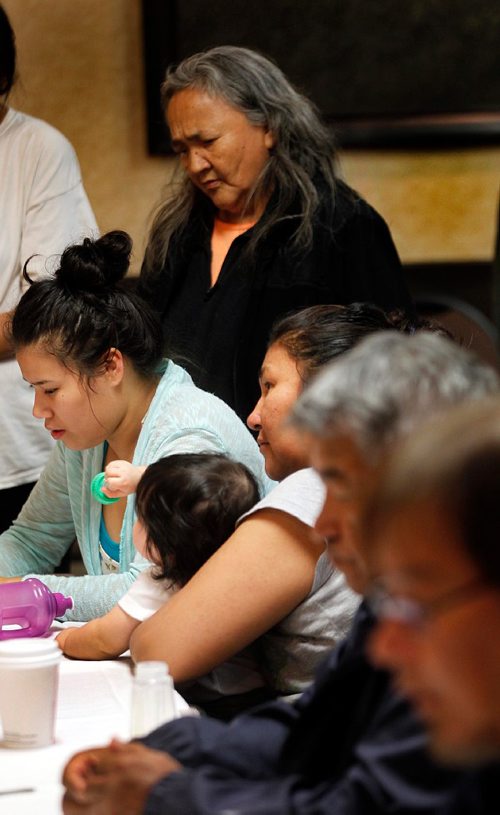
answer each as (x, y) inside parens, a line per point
(28, 608)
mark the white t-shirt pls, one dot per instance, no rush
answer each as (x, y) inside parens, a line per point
(239, 674)
(43, 209)
(145, 596)
(297, 644)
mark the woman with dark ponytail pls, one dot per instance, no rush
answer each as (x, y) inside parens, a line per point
(92, 352)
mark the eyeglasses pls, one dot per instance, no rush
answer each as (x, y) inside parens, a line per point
(386, 606)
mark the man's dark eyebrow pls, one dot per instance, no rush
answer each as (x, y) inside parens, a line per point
(331, 474)
(422, 573)
(422, 570)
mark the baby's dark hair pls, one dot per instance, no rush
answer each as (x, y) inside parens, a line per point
(188, 504)
(86, 309)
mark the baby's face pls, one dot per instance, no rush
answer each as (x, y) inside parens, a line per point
(140, 541)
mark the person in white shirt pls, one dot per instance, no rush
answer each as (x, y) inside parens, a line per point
(43, 208)
(272, 579)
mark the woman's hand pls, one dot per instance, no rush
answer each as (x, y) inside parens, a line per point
(117, 778)
(121, 478)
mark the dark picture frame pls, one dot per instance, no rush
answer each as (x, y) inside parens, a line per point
(420, 74)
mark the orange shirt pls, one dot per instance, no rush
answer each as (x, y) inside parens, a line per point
(223, 234)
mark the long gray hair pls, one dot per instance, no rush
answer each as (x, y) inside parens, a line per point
(303, 147)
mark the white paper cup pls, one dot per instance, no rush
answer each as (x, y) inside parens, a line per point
(29, 676)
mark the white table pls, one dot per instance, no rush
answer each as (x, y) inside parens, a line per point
(93, 706)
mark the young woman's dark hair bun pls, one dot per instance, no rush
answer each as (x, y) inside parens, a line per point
(94, 265)
(85, 310)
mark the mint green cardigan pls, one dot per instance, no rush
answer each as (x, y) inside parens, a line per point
(181, 419)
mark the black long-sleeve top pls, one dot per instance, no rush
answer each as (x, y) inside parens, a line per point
(349, 746)
(220, 333)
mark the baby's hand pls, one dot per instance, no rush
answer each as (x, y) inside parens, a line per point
(121, 478)
(63, 636)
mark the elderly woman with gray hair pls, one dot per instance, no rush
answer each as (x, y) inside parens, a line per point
(258, 223)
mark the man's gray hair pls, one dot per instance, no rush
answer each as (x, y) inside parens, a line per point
(388, 384)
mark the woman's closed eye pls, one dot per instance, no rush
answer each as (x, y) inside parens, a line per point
(46, 391)
(183, 149)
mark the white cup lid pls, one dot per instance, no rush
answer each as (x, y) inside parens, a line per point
(29, 649)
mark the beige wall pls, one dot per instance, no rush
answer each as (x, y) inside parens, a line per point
(80, 67)
(80, 63)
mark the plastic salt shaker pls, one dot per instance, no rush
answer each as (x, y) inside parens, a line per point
(153, 697)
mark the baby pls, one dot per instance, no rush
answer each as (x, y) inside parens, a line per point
(187, 506)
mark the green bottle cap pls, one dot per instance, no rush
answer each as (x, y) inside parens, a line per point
(96, 490)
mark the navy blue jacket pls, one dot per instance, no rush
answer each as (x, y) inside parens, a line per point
(348, 746)
(478, 793)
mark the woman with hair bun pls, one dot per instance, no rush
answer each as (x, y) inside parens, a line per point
(92, 352)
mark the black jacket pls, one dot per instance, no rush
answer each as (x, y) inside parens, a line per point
(348, 746)
(220, 334)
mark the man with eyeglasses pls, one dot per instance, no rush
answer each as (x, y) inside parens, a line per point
(350, 745)
(438, 602)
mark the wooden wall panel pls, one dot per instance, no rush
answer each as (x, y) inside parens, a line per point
(81, 69)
